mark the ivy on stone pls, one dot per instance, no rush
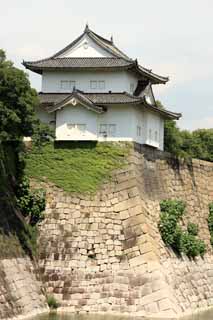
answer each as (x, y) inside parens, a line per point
(31, 203)
(172, 234)
(210, 222)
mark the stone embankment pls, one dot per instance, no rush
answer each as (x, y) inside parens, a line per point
(104, 253)
(20, 291)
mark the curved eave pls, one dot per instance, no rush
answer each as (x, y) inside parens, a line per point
(154, 78)
(40, 70)
(168, 115)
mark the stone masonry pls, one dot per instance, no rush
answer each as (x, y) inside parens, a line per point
(20, 290)
(103, 253)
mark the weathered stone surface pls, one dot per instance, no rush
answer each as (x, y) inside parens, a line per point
(106, 255)
(20, 291)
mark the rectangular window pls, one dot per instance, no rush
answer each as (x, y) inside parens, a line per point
(81, 128)
(107, 130)
(156, 136)
(150, 134)
(138, 131)
(101, 84)
(112, 130)
(76, 128)
(70, 126)
(93, 84)
(103, 130)
(67, 85)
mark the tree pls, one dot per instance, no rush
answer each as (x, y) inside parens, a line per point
(172, 135)
(183, 143)
(17, 102)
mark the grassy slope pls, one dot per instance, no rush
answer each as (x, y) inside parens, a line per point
(76, 167)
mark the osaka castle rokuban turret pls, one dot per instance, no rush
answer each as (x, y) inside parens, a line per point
(91, 90)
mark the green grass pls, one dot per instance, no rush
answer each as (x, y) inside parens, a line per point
(76, 167)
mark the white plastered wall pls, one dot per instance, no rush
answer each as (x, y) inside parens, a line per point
(119, 115)
(115, 81)
(154, 130)
(125, 117)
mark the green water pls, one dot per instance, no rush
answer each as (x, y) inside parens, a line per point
(208, 315)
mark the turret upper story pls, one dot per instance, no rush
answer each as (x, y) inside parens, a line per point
(94, 64)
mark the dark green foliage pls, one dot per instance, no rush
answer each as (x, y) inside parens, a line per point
(192, 246)
(28, 238)
(192, 229)
(31, 203)
(210, 222)
(172, 138)
(42, 133)
(171, 212)
(17, 102)
(17, 119)
(186, 144)
(52, 303)
(173, 235)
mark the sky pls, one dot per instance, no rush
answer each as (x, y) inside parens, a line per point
(172, 37)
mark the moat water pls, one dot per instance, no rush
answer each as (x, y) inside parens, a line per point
(208, 315)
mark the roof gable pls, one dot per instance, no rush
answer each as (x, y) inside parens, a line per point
(106, 46)
(74, 99)
(86, 48)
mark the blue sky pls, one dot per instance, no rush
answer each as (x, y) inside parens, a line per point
(173, 37)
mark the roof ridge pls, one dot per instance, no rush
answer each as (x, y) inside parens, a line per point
(97, 35)
(120, 58)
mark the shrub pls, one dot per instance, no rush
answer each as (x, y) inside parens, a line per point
(173, 207)
(171, 212)
(52, 303)
(28, 238)
(31, 203)
(192, 229)
(173, 235)
(192, 246)
(42, 133)
(210, 222)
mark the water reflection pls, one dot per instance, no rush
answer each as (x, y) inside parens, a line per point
(208, 315)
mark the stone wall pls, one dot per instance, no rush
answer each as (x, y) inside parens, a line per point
(103, 253)
(20, 291)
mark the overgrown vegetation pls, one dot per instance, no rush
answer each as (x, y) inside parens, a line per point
(76, 167)
(31, 203)
(52, 303)
(183, 143)
(210, 222)
(173, 235)
(19, 208)
(17, 102)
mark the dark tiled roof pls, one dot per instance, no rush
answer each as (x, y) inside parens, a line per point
(96, 98)
(75, 63)
(54, 101)
(118, 60)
